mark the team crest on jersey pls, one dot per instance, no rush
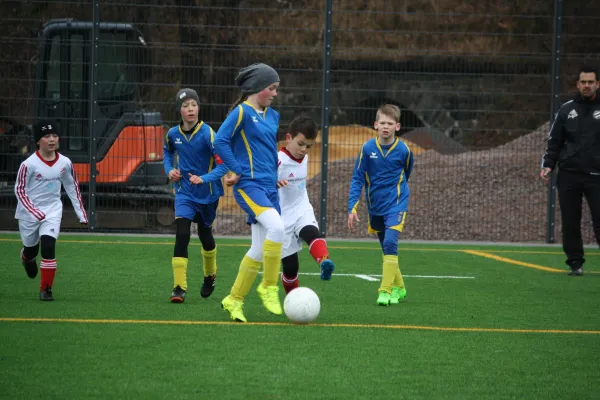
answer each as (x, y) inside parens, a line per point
(38, 177)
(597, 114)
(62, 171)
(291, 175)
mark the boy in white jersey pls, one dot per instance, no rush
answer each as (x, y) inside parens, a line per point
(296, 211)
(39, 207)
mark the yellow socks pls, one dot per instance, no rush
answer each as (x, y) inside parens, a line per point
(398, 280)
(180, 272)
(271, 262)
(390, 266)
(209, 261)
(245, 278)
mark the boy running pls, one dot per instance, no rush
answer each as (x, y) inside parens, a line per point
(39, 207)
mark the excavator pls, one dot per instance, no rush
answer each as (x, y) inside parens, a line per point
(131, 189)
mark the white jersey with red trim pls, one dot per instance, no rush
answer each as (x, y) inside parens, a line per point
(38, 188)
(293, 198)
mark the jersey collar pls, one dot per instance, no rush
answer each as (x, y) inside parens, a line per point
(298, 160)
(48, 163)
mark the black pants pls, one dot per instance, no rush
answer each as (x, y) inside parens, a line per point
(572, 186)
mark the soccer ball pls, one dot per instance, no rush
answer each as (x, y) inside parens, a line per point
(302, 305)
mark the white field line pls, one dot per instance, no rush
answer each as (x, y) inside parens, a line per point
(375, 277)
(367, 278)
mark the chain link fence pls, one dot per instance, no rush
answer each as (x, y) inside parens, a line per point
(477, 84)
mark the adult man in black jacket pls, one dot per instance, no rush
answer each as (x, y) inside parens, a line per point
(574, 143)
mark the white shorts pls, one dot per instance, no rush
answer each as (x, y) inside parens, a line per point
(31, 231)
(292, 243)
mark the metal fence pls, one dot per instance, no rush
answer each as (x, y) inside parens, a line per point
(477, 84)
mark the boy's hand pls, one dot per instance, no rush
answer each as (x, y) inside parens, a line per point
(351, 218)
(174, 175)
(282, 183)
(232, 179)
(195, 179)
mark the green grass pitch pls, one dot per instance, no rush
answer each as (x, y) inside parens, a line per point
(479, 322)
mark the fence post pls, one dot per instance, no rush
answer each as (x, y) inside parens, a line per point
(554, 104)
(92, 118)
(325, 115)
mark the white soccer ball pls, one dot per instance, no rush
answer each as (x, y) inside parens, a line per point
(302, 305)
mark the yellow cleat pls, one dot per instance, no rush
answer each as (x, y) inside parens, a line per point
(235, 308)
(270, 298)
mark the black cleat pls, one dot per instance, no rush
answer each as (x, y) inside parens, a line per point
(46, 294)
(178, 295)
(208, 286)
(576, 271)
(31, 267)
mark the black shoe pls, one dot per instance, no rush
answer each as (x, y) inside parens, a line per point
(46, 294)
(178, 295)
(576, 271)
(31, 267)
(208, 286)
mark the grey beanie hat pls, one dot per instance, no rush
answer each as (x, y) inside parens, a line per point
(185, 94)
(255, 78)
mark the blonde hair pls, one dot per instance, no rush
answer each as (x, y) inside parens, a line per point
(389, 110)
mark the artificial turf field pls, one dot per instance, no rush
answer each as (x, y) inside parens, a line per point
(479, 322)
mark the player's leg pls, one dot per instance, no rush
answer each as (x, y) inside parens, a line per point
(263, 210)
(179, 262)
(185, 210)
(246, 276)
(395, 222)
(317, 247)
(29, 231)
(377, 226)
(268, 290)
(49, 231)
(47, 266)
(292, 244)
(289, 277)
(205, 220)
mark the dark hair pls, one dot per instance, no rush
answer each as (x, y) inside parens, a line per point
(241, 98)
(586, 69)
(304, 125)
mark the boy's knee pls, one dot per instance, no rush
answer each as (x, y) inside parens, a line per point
(309, 233)
(48, 246)
(206, 238)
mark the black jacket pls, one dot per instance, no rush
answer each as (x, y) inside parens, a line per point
(574, 140)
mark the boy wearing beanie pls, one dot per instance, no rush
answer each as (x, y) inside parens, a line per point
(39, 206)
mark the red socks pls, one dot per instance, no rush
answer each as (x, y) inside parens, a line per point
(289, 284)
(318, 250)
(48, 269)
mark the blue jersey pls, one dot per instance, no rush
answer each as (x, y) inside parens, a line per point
(384, 172)
(195, 155)
(247, 144)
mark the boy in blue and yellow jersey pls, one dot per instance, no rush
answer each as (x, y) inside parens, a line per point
(383, 167)
(247, 144)
(197, 184)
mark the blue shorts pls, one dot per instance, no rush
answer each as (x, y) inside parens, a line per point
(255, 200)
(202, 214)
(379, 223)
